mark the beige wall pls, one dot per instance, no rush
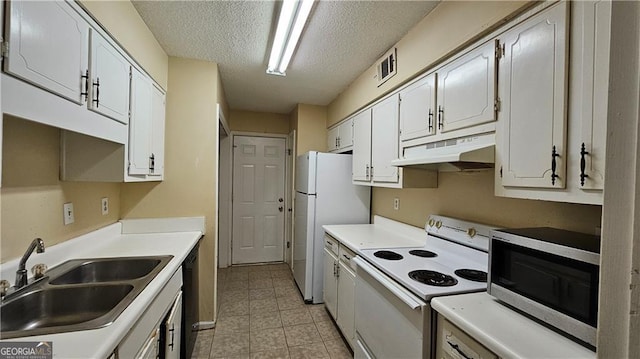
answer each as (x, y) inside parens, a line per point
(469, 195)
(309, 122)
(124, 23)
(260, 122)
(32, 196)
(450, 25)
(189, 182)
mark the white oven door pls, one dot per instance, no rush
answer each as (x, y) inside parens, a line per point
(389, 319)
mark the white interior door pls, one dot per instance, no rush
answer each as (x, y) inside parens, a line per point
(258, 199)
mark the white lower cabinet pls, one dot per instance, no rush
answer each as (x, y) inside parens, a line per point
(145, 338)
(453, 343)
(339, 287)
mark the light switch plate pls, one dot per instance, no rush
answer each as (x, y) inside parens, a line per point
(105, 206)
(67, 212)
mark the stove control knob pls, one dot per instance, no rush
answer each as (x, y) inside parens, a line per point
(431, 222)
(471, 232)
(438, 224)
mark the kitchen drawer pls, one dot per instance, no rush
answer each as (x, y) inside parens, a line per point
(331, 244)
(346, 255)
(453, 343)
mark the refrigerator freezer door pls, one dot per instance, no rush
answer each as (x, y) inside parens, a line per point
(303, 243)
(306, 173)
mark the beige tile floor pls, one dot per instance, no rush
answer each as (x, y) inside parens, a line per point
(262, 315)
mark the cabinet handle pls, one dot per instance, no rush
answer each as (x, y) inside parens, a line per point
(334, 269)
(346, 257)
(85, 93)
(430, 120)
(371, 172)
(440, 116)
(171, 331)
(336, 142)
(152, 163)
(337, 270)
(456, 347)
(554, 154)
(97, 85)
(583, 164)
(366, 176)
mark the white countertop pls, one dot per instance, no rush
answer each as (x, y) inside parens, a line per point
(111, 242)
(504, 331)
(383, 233)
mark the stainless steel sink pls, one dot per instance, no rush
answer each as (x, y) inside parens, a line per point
(79, 294)
(108, 270)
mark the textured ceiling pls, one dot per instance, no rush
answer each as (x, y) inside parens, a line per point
(340, 41)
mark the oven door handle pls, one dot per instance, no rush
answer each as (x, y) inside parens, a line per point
(394, 288)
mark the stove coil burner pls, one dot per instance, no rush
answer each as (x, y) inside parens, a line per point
(423, 253)
(434, 278)
(392, 256)
(472, 274)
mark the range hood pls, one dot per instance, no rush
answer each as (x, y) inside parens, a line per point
(471, 153)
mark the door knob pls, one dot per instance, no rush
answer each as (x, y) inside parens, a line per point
(280, 208)
(280, 200)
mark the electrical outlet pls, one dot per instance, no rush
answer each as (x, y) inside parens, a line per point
(105, 206)
(67, 213)
(396, 203)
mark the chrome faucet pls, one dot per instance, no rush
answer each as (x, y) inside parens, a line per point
(21, 273)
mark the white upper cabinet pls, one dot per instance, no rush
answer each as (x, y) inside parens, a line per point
(340, 137)
(533, 75)
(596, 30)
(362, 146)
(332, 139)
(140, 125)
(418, 109)
(467, 90)
(48, 47)
(146, 128)
(158, 106)
(110, 74)
(384, 136)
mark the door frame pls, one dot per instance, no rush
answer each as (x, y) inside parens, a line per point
(289, 196)
(225, 245)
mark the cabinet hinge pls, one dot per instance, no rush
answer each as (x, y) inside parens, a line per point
(499, 50)
(496, 104)
(130, 74)
(4, 49)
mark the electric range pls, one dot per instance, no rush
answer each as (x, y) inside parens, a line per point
(453, 260)
(395, 285)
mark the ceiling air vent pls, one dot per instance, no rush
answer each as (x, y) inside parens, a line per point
(386, 66)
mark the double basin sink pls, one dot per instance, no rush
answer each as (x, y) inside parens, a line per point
(79, 294)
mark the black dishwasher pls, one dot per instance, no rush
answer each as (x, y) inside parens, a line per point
(190, 301)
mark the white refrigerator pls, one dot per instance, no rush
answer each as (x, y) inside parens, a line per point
(325, 194)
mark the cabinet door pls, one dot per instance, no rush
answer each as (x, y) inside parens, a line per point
(173, 326)
(332, 139)
(345, 136)
(384, 136)
(150, 348)
(330, 294)
(110, 73)
(533, 76)
(141, 122)
(48, 46)
(362, 146)
(157, 132)
(417, 109)
(595, 85)
(467, 90)
(346, 302)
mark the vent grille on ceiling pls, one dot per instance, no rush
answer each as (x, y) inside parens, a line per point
(386, 66)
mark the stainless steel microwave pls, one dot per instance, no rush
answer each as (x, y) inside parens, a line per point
(550, 274)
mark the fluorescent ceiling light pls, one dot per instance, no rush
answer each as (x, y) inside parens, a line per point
(293, 17)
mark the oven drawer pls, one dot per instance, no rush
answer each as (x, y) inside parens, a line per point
(390, 322)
